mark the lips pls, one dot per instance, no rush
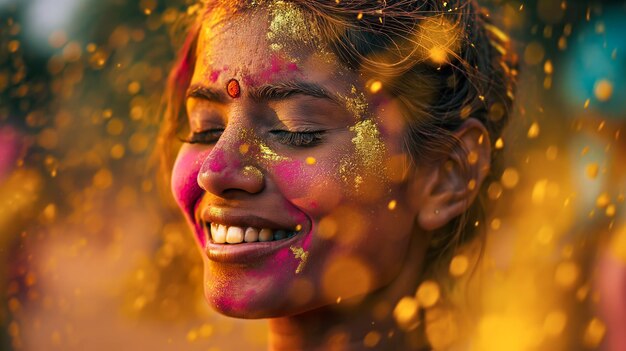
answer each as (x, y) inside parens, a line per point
(236, 236)
(224, 234)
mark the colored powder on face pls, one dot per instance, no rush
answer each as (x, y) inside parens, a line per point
(184, 180)
(256, 147)
(356, 104)
(289, 171)
(369, 157)
(289, 22)
(269, 154)
(282, 256)
(214, 75)
(369, 146)
(301, 255)
(292, 67)
(217, 163)
(248, 80)
(277, 65)
(251, 171)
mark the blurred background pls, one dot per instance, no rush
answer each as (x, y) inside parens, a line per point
(93, 257)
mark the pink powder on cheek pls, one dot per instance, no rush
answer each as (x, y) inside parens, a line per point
(185, 186)
(289, 172)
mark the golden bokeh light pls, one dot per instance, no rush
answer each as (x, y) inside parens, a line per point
(428, 293)
(346, 277)
(406, 313)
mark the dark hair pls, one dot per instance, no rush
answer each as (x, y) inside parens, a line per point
(396, 42)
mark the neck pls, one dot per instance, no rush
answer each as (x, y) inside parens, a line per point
(346, 325)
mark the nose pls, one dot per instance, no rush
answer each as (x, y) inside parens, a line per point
(228, 172)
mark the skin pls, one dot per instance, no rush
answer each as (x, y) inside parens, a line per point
(375, 255)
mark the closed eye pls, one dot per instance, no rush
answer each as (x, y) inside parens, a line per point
(209, 136)
(298, 139)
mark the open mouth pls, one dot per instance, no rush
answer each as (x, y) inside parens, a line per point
(224, 234)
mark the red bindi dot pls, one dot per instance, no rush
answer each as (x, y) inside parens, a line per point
(233, 89)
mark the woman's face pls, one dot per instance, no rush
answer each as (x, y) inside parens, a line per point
(291, 184)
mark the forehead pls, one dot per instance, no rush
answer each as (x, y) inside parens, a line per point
(263, 44)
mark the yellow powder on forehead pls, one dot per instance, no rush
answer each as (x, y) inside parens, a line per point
(288, 20)
(289, 24)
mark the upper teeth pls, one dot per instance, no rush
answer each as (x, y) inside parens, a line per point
(234, 235)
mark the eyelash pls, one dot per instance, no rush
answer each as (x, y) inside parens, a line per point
(209, 136)
(297, 139)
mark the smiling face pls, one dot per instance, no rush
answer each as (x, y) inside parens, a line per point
(288, 178)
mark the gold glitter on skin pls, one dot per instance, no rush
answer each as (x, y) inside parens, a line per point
(370, 149)
(288, 23)
(356, 103)
(369, 156)
(266, 153)
(300, 254)
(269, 154)
(252, 171)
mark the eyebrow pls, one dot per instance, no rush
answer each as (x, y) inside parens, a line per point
(204, 93)
(267, 92)
(284, 90)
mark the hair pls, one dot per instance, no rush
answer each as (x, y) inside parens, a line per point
(392, 41)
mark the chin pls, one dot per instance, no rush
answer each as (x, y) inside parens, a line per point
(250, 307)
(274, 301)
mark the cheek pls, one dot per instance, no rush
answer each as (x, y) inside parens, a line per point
(313, 187)
(184, 184)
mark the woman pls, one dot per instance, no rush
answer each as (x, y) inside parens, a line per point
(334, 154)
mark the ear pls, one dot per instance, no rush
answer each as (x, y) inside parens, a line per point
(448, 187)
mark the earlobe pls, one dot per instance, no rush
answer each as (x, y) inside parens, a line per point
(451, 185)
